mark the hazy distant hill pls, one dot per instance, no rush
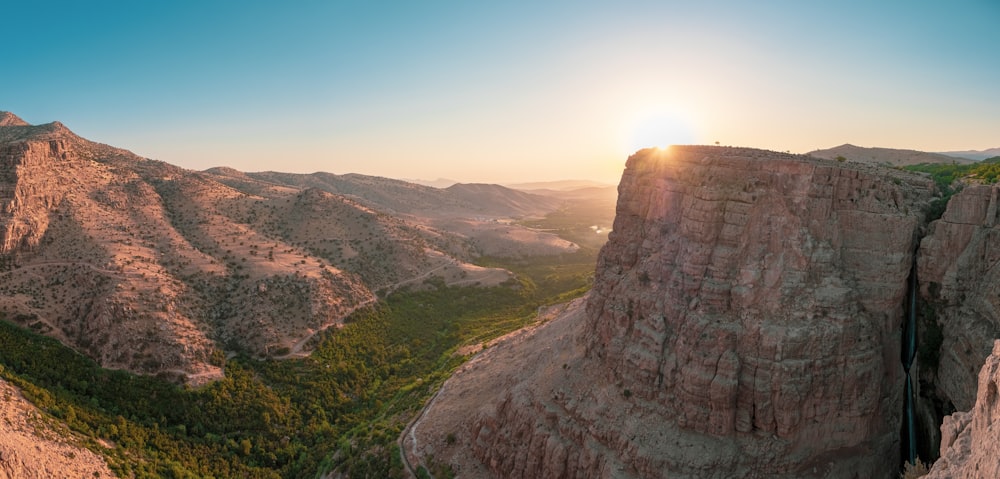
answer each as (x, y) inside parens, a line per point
(563, 185)
(438, 183)
(977, 155)
(404, 197)
(496, 199)
(888, 156)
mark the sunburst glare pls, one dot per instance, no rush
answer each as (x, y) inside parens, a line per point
(659, 129)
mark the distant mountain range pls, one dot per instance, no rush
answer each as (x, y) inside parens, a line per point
(563, 185)
(977, 155)
(885, 156)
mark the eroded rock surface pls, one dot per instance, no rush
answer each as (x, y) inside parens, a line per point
(959, 271)
(744, 322)
(970, 444)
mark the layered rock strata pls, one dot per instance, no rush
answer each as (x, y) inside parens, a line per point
(744, 322)
(970, 445)
(959, 271)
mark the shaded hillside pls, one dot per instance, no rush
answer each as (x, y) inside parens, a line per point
(884, 156)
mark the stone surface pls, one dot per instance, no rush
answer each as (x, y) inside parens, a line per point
(970, 444)
(959, 276)
(744, 322)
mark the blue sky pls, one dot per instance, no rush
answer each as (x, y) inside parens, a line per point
(500, 91)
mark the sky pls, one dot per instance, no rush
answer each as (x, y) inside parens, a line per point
(501, 92)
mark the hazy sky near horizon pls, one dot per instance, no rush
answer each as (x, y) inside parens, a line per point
(500, 91)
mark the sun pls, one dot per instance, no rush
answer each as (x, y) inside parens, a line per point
(658, 129)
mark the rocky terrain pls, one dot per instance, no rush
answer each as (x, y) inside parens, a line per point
(33, 446)
(958, 273)
(477, 216)
(744, 322)
(160, 270)
(969, 447)
(885, 156)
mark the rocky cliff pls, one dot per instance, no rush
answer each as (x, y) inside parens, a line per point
(970, 445)
(744, 322)
(959, 270)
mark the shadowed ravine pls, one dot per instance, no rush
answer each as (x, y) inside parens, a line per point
(909, 351)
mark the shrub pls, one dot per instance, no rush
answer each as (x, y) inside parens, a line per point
(913, 471)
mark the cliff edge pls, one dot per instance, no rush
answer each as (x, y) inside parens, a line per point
(970, 444)
(744, 322)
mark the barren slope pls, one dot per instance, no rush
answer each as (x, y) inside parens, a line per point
(885, 156)
(34, 446)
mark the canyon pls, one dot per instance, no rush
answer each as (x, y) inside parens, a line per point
(746, 320)
(750, 316)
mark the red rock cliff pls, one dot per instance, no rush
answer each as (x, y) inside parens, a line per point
(959, 274)
(970, 447)
(744, 322)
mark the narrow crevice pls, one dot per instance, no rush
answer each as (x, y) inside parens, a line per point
(909, 436)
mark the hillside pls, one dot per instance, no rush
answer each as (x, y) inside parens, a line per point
(152, 268)
(976, 155)
(313, 324)
(33, 446)
(466, 220)
(885, 156)
(396, 196)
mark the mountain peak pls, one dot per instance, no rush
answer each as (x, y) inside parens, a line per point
(9, 119)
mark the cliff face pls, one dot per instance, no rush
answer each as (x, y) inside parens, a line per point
(970, 445)
(959, 271)
(751, 292)
(744, 322)
(27, 191)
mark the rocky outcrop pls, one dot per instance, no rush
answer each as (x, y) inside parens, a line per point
(970, 444)
(28, 192)
(9, 119)
(744, 322)
(959, 271)
(34, 446)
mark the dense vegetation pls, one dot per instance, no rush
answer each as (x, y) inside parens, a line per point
(340, 408)
(946, 174)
